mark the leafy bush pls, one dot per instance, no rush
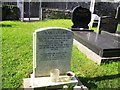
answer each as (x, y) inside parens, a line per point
(10, 13)
(56, 14)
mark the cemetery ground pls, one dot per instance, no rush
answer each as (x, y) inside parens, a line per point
(17, 57)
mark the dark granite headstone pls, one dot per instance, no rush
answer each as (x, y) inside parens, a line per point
(81, 17)
(108, 24)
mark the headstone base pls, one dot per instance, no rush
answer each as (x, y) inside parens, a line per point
(90, 54)
(45, 82)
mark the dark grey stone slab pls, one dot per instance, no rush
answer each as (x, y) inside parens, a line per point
(105, 45)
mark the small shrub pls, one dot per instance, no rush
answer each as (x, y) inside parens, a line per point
(10, 13)
(56, 14)
(5, 12)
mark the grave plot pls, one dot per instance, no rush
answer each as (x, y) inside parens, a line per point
(98, 47)
(52, 48)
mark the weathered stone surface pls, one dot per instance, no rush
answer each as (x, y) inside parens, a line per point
(52, 49)
(105, 8)
(108, 24)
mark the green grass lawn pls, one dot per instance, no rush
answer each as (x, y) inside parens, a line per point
(17, 57)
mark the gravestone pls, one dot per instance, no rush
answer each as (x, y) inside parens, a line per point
(81, 17)
(118, 13)
(108, 24)
(52, 49)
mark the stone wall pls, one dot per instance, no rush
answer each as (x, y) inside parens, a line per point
(65, 5)
(61, 10)
(105, 8)
(101, 9)
(55, 14)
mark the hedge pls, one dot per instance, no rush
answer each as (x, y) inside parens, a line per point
(10, 13)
